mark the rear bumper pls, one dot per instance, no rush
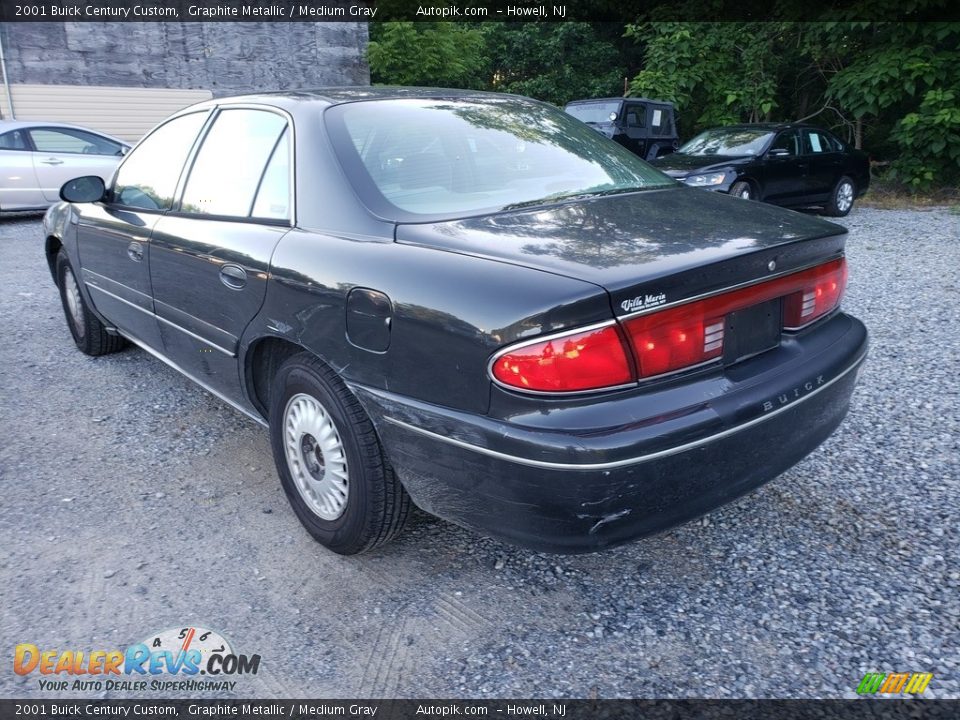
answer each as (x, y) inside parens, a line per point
(570, 488)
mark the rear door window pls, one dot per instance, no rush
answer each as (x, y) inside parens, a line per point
(14, 140)
(230, 164)
(816, 142)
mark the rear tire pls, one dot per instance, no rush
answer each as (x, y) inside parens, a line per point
(743, 190)
(841, 199)
(330, 461)
(88, 332)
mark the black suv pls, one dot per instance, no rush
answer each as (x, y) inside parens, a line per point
(645, 127)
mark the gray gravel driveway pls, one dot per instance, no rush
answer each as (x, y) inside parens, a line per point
(132, 501)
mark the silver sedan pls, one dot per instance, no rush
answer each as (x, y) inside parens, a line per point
(37, 158)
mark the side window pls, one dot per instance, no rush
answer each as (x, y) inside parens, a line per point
(660, 121)
(816, 142)
(273, 197)
(832, 143)
(228, 168)
(635, 116)
(148, 177)
(788, 141)
(68, 140)
(14, 140)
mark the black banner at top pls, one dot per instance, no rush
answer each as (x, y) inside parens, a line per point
(474, 10)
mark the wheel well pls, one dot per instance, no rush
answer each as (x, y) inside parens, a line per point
(52, 247)
(264, 358)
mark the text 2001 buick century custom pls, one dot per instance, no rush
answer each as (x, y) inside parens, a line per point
(473, 301)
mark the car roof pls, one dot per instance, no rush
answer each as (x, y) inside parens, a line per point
(620, 99)
(340, 95)
(7, 125)
(766, 126)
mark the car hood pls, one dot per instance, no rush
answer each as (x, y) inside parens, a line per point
(622, 242)
(681, 165)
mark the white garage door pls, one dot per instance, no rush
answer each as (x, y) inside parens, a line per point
(124, 112)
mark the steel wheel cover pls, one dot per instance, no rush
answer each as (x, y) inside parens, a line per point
(315, 456)
(844, 197)
(74, 303)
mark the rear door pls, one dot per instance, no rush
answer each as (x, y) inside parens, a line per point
(61, 154)
(19, 188)
(114, 237)
(210, 258)
(826, 162)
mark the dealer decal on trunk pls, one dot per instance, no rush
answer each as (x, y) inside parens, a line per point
(642, 302)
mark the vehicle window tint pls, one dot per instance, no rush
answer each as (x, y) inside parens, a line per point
(148, 177)
(594, 112)
(227, 171)
(72, 141)
(832, 143)
(635, 116)
(660, 122)
(14, 140)
(273, 197)
(442, 157)
(817, 142)
(788, 141)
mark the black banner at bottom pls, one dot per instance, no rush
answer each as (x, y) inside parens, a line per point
(862, 709)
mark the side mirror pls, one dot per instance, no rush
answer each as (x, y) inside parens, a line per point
(778, 152)
(86, 189)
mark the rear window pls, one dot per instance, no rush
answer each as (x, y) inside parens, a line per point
(411, 158)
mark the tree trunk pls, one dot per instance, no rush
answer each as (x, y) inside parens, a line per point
(858, 133)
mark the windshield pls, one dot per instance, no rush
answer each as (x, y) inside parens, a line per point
(447, 158)
(598, 112)
(728, 141)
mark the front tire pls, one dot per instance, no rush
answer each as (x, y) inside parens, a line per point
(842, 197)
(742, 190)
(330, 461)
(88, 332)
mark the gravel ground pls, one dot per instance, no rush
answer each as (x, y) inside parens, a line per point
(133, 502)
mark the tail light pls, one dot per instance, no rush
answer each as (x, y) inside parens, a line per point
(573, 362)
(662, 341)
(822, 288)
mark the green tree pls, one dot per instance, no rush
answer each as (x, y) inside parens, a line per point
(557, 62)
(716, 73)
(438, 54)
(891, 88)
(903, 78)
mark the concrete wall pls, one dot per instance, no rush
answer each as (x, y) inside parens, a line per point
(226, 58)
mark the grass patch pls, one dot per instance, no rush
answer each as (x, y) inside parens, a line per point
(889, 195)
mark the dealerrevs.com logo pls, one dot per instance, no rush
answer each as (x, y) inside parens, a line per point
(186, 653)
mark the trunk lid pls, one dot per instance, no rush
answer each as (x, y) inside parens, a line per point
(646, 248)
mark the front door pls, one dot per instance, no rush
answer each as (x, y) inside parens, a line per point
(635, 128)
(114, 238)
(210, 258)
(785, 169)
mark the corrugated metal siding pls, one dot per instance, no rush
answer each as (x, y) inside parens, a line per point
(124, 112)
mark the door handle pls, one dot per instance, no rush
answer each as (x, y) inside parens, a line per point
(52, 161)
(135, 251)
(233, 276)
